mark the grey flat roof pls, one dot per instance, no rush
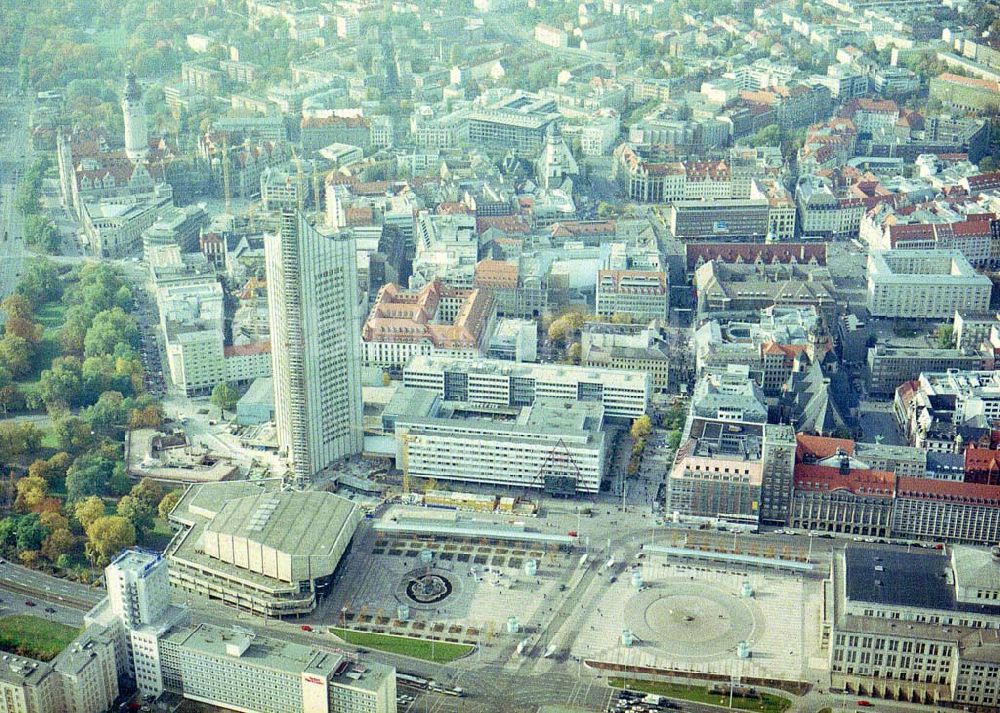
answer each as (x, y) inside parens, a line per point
(497, 532)
(918, 579)
(299, 524)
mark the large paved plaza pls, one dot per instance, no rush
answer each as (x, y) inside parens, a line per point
(469, 586)
(693, 618)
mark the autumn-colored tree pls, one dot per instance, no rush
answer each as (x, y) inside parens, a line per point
(107, 536)
(17, 306)
(149, 491)
(641, 427)
(31, 492)
(168, 503)
(88, 510)
(53, 469)
(26, 329)
(146, 417)
(54, 520)
(60, 542)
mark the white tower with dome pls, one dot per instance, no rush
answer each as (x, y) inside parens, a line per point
(136, 137)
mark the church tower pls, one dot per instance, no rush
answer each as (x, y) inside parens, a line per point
(136, 138)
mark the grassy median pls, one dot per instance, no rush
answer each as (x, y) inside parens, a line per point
(436, 651)
(36, 638)
(699, 694)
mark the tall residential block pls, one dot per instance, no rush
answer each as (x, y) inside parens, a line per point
(138, 588)
(312, 294)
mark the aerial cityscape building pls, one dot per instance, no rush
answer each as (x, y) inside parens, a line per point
(555, 353)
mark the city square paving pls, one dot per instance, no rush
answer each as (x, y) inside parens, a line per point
(693, 619)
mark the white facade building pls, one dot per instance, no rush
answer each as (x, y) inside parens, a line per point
(312, 291)
(556, 445)
(924, 284)
(624, 394)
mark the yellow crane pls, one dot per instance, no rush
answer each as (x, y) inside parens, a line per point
(226, 188)
(299, 179)
(406, 438)
(315, 187)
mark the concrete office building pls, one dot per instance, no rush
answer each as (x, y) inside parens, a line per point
(631, 347)
(82, 678)
(244, 671)
(642, 294)
(553, 445)
(518, 122)
(924, 284)
(916, 626)
(889, 367)
(624, 394)
(175, 226)
(228, 667)
(718, 471)
(312, 291)
(743, 220)
(138, 588)
(255, 548)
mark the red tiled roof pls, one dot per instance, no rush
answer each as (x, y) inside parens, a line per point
(981, 461)
(407, 316)
(824, 478)
(247, 349)
(510, 224)
(496, 274)
(948, 490)
(819, 447)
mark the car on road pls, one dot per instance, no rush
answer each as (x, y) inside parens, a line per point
(29, 603)
(50, 610)
(865, 704)
(306, 627)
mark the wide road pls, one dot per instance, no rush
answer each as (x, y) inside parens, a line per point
(492, 686)
(15, 152)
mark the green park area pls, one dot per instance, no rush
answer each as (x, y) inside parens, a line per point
(34, 637)
(701, 694)
(436, 651)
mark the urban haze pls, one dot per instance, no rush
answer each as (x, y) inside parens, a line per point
(499, 356)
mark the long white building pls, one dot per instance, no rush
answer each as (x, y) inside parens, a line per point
(553, 445)
(924, 284)
(229, 667)
(623, 394)
(312, 291)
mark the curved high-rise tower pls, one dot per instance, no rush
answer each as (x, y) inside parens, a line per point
(136, 138)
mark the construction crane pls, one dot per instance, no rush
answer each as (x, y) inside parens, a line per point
(315, 187)
(226, 190)
(299, 179)
(406, 438)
